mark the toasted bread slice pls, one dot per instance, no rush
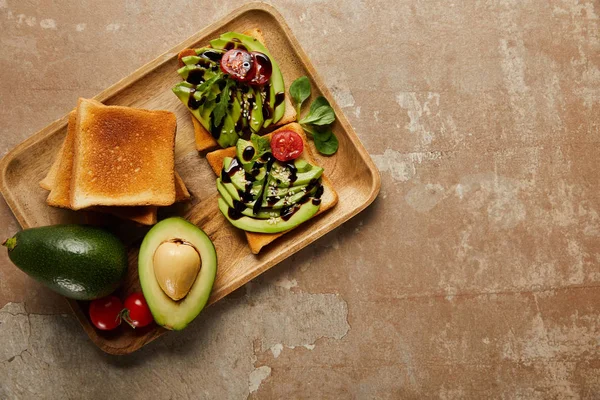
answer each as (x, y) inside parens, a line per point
(205, 141)
(144, 215)
(181, 191)
(48, 181)
(122, 156)
(59, 194)
(60, 185)
(60, 188)
(257, 241)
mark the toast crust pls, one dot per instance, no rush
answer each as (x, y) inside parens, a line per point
(49, 179)
(256, 241)
(205, 141)
(144, 215)
(122, 156)
(60, 190)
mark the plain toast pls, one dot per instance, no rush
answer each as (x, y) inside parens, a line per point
(122, 156)
(58, 182)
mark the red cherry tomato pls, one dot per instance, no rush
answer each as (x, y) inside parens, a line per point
(105, 313)
(264, 68)
(286, 145)
(239, 64)
(136, 312)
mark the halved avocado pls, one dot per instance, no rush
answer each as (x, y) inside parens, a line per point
(169, 313)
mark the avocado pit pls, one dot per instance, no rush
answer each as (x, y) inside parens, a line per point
(176, 267)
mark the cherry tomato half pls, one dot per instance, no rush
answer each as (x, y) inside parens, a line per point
(105, 313)
(136, 312)
(264, 68)
(286, 145)
(239, 64)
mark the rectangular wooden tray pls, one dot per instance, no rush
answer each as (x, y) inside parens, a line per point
(354, 176)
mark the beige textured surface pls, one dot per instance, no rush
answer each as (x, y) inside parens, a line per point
(474, 275)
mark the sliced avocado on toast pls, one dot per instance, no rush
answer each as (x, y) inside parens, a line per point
(276, 82)
(272, 225)
(261, 194)
(227, 108)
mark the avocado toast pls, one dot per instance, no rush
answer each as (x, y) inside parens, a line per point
(247, 110)
(328, 198)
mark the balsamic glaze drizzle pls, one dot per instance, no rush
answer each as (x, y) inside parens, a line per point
(248, 153)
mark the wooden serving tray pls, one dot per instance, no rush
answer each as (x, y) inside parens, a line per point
(354, 176)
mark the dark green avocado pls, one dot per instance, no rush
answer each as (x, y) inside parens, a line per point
(77, 261)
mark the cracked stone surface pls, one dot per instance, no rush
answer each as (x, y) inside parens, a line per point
(475, 274)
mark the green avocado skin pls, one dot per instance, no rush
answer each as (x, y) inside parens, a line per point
(77, 261)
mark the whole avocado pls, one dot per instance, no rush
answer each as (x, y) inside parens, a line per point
(77, 261)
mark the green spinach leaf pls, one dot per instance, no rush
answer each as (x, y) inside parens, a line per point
(300, 91)
(261, 145)
(320, 115)
(322, 132)
(327, 144)
(316, 123)
(319, 102)
(322, 135)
